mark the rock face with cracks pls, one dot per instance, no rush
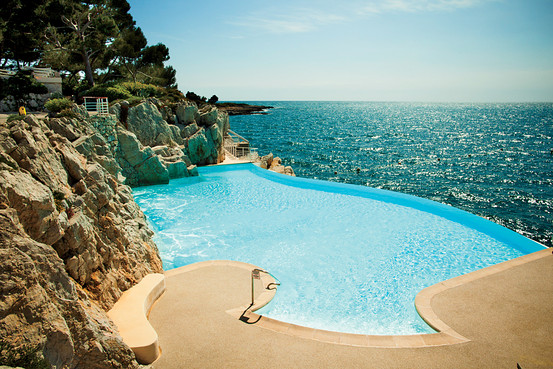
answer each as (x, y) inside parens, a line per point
(72, 239)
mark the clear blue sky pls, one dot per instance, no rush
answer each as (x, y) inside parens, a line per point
(379, 50)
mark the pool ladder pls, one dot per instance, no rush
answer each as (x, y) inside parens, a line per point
(256, 275)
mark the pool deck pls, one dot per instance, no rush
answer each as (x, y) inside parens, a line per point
(505, 313)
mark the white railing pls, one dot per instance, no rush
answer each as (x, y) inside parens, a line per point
(238, 147)
(98, 105)
(6, 73)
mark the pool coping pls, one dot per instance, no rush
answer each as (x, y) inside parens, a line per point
(445, 335)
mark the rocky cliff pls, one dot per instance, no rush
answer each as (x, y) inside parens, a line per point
(72, 239)
(181, 136)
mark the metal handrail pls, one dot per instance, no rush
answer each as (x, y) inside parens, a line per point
(96, 104)
(255, 275)
(236, 137)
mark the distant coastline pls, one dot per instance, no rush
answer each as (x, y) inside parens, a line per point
(242, 109)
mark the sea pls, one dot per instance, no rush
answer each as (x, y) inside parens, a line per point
(492, 160)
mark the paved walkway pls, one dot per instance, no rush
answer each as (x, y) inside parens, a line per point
(40, 115)
(507, 316)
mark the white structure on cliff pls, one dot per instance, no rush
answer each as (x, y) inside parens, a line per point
(47, 76)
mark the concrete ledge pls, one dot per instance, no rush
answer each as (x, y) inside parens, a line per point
(130, 315)
(445, 335)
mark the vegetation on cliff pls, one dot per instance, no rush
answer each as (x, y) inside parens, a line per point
(97, 40)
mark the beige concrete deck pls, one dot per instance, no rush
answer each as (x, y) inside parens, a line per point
(505, 313)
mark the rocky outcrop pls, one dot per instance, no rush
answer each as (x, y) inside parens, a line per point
(243, 109)
(198, 133)
(205, 146)
(72, 239)
(187, 113)
(140, 165)
(275, 164)
(42, 307)
(147, 123)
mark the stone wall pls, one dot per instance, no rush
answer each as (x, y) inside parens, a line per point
(107, 127)
(34, 102)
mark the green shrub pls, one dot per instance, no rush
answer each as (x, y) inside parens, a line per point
(57, 105)
(67, 112)
(26, 356)
(13, 117)
(173, 94)
(142, 89)
(111, 92)
(135, 100)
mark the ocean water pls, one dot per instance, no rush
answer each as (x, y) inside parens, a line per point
(492, 160)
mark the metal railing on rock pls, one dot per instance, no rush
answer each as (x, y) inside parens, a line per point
(238, 147)
(97, 105)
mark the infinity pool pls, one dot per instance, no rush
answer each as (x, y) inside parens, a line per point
(350, 258)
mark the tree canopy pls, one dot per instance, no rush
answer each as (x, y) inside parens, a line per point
(97, 39)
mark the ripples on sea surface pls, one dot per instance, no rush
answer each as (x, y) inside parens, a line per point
(493, 160)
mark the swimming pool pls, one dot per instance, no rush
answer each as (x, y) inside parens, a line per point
(350, 258)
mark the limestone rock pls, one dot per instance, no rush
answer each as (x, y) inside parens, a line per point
(141, 166)
(72, 239)
(187, 112)
(41, 307)
(266, 161)
(147, 123)
(275, 164)
(199, 148)
(208, 116)
(190, 130)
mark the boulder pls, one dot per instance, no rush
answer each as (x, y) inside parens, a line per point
(190, 130)
(43, 309)
(200, 149)
(266, 161)
(187, 112)
(146, 122)
(141, 166)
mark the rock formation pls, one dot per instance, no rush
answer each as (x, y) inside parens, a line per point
(195, 138)
(275, 164)
(72, 239)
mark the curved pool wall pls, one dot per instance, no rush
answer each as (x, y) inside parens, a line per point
(483, 225)
(350, 258)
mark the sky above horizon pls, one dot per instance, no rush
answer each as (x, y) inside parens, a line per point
(379, 50)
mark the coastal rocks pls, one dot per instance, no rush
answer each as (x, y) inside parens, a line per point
(146, 122)
(178, 164)
(140, 165)
(243, 109)
(266, 161)
(199, 133)
(187, 113)
(43, 309)
(72, 239)
(275, 164)
(200, 150)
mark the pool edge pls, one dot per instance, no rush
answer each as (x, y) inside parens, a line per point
(445, 335)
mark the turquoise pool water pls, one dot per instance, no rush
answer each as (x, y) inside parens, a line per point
(350, 258)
